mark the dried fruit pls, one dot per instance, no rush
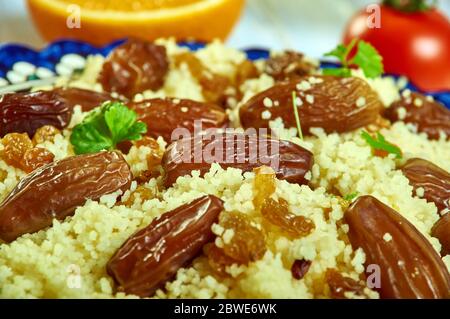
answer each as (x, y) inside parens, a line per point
(429, 116)
(15, 147)
(156, 153)
(57, 189)
(87, 99)
(332, 103)
(3, 175)
(35, 158)
(217, 259)
(289, 65)
(26, 112)
(45, 133)
(290, 225)
(441, 230)
(409, 265)
(245, 71)
(340, 285)
(290, 161)
(154, 254)
(263, 185)
(163, 116)
(141, 192)
(247, 243)
(214, 86)
(134, 67)
(431, 179)
(300, 267)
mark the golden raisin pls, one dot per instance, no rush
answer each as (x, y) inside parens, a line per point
(292, 226)
(245, 71)
(16, 145)
(155, 156)
(3, 175)
(217, 259)
(263, 185)
(45, 133)
(340, 285)
(35, 158)
(144, 193)
(248, 242)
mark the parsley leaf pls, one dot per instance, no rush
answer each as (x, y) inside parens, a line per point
(367, 58)
(381, 144)
(351, 197)
(297, 118)
(105, 127)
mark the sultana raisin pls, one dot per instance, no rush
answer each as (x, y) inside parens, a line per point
(16, 145)
(263, 185)
(289, 65)
(248, 242)
(155, 156)
(340, 285)
(217, 259)
(141, 192)
(300, 267)
(277, 214)
(45, 133)
(35, 158)
(3, 175)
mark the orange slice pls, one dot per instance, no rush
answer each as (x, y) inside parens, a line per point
(102, 21)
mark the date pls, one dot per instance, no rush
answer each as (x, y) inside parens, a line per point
(441, 230)
(246, 152)
(154, 254)
(429, 116)
(26, 112)
(409, 265)
(87, 99)
(289, 65)
(433, 180)
(134, 67)
(57, 189)
(332, 103)
(163, 116)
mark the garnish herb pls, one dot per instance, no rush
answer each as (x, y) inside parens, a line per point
(381, 144)
(297, 118)
(410, 5)
(366, 57)
(351, 197)
(105, 127)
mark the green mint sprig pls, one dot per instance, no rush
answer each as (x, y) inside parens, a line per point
(380, 143)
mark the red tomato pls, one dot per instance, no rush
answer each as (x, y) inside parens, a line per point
(416, 45)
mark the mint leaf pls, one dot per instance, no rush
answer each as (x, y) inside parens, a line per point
(369, 60)
(105, 127)
(339, 52)
(342, 72)
(381, 144)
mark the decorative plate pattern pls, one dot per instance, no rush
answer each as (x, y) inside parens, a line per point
(19, 63)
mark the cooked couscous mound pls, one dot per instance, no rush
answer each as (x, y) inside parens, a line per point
(68, 259)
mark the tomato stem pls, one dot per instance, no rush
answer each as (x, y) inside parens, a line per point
(410, 5)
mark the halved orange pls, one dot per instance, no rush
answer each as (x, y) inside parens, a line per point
(102, 21)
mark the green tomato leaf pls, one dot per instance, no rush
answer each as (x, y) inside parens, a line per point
(369, 60)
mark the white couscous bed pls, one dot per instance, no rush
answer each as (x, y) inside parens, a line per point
(69, 258)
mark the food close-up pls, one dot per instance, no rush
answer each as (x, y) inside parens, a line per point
(176, 164)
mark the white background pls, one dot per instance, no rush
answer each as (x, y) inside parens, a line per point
(311, 26)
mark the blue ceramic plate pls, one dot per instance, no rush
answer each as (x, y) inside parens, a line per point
(19, 63)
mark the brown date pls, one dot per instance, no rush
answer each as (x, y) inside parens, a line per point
(246, 152)
(409, 265)
(431, 178)
(87, 99)
(26, 112)
(331, 104)
(430, 117)
(289, 65)
(441, 230)
(134, 67)
(163, 116)
(57, 189)
(154, 254)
